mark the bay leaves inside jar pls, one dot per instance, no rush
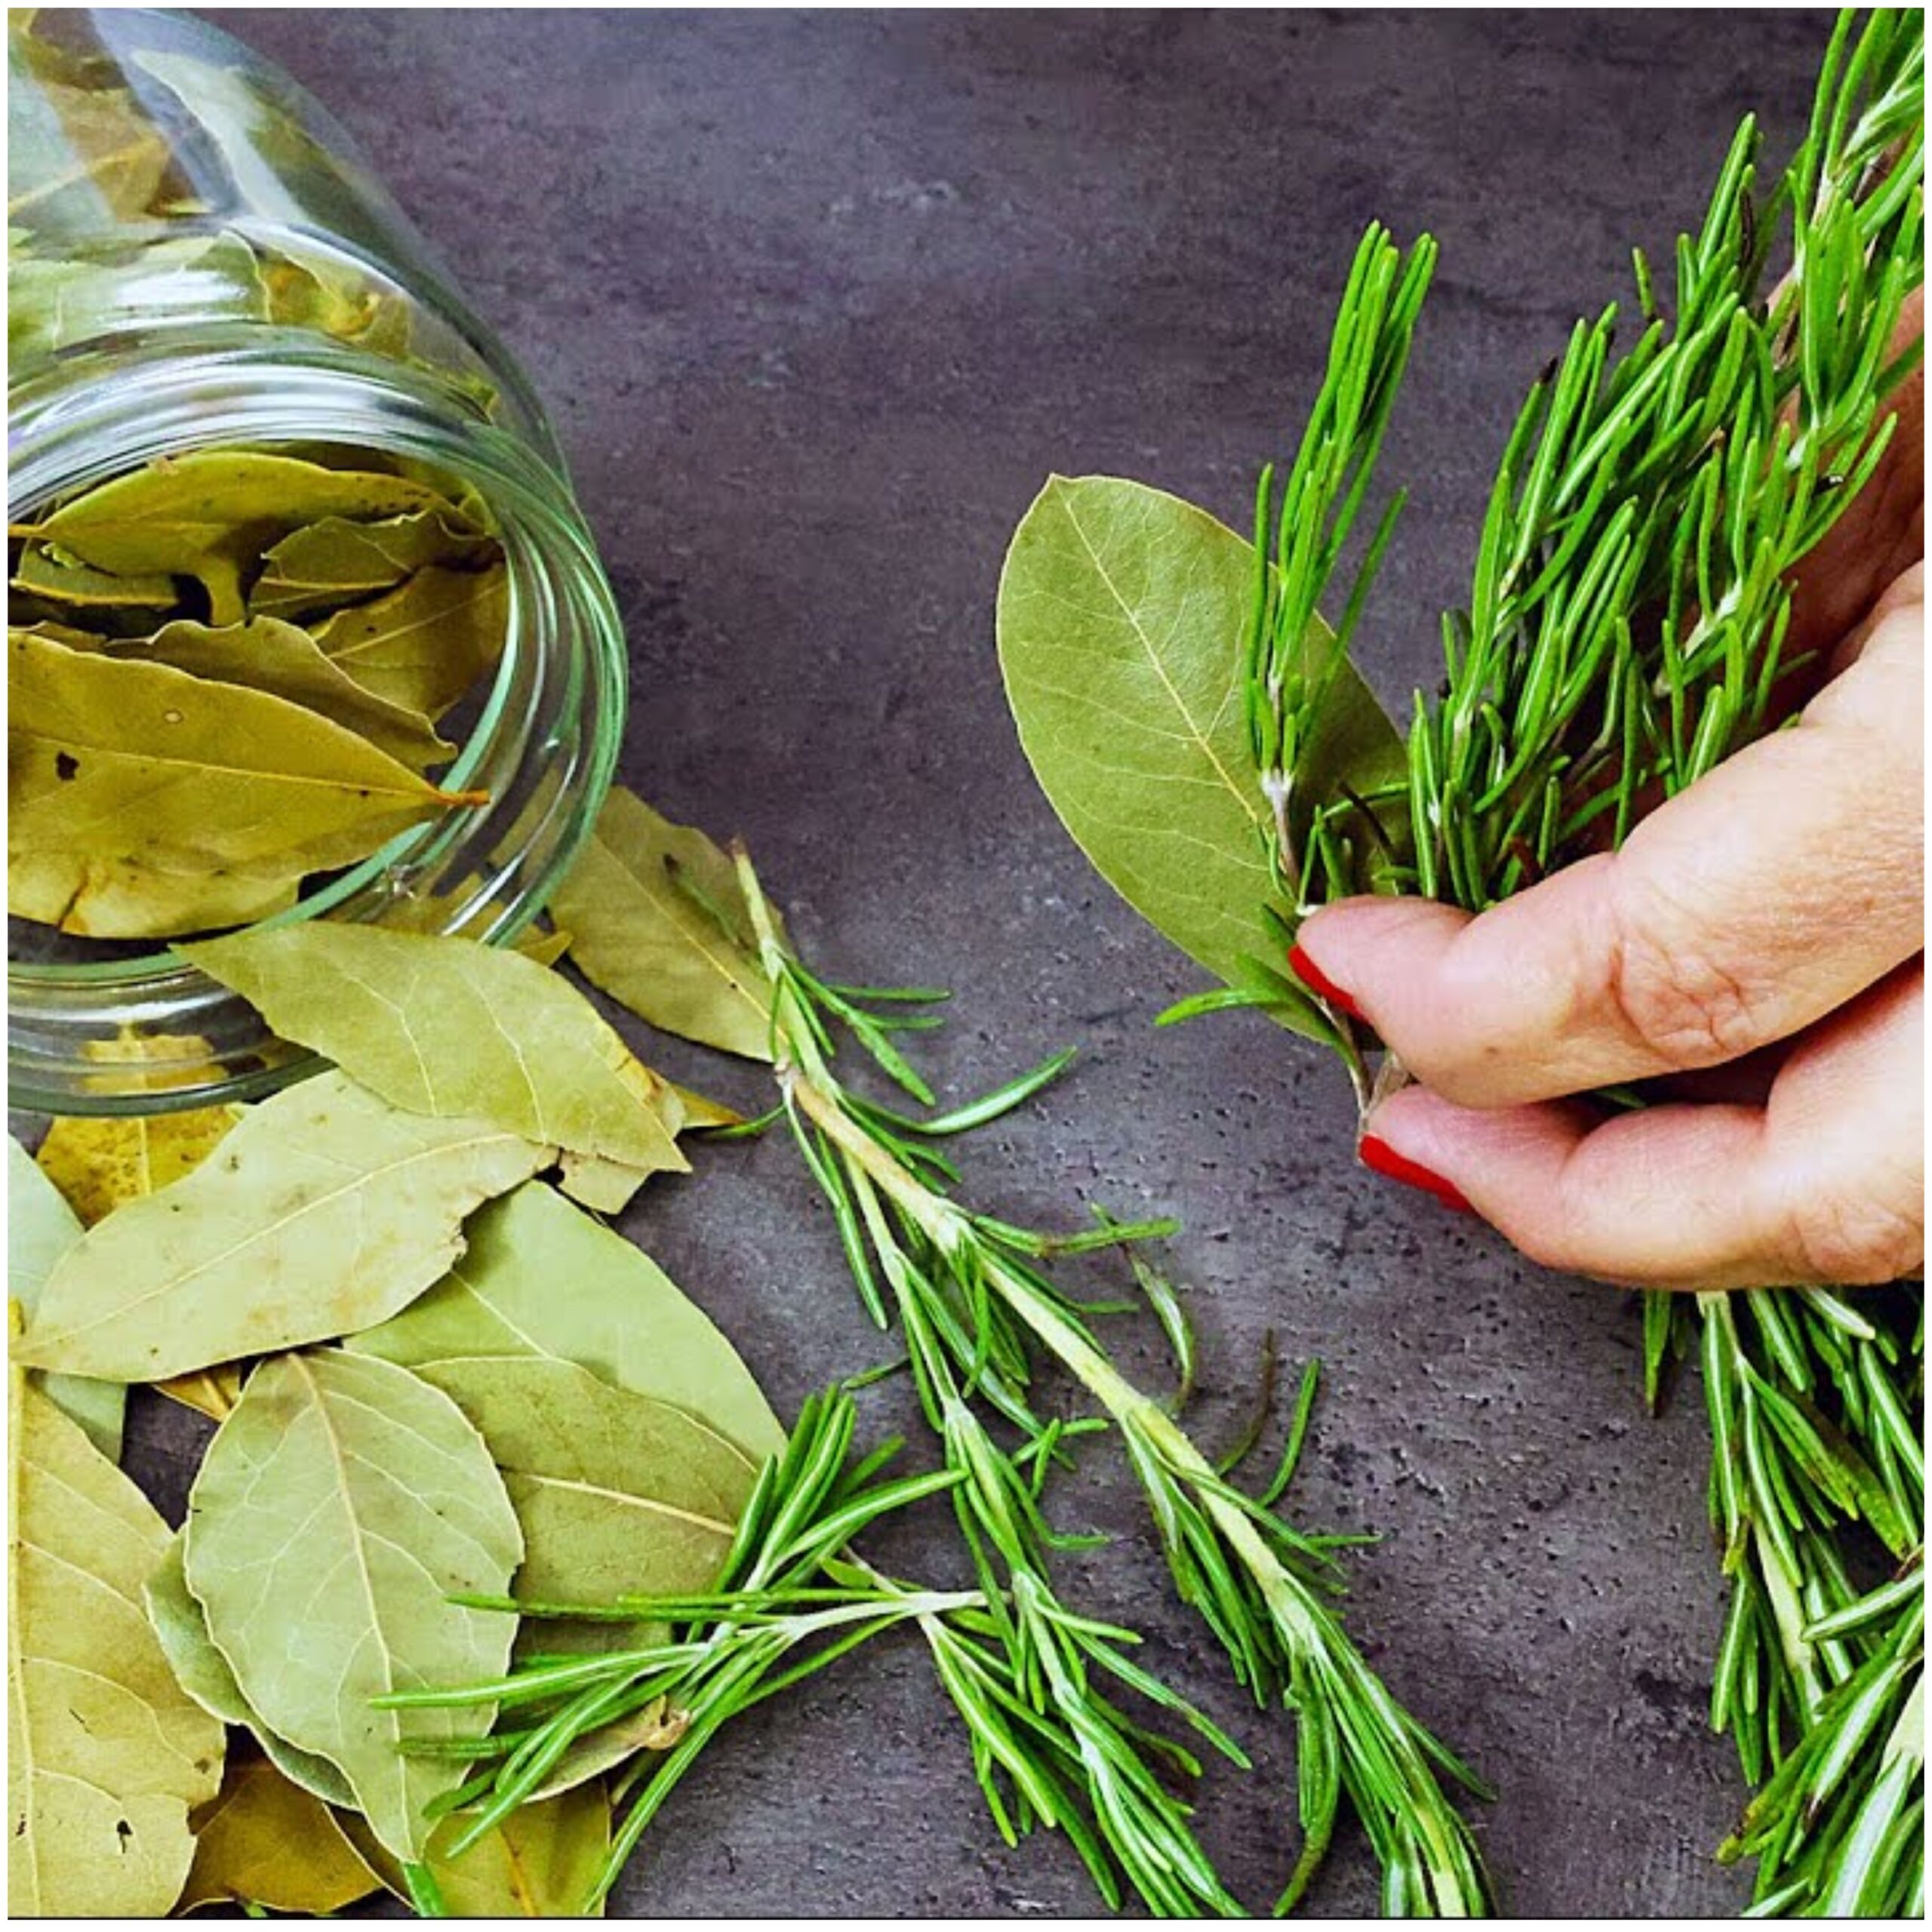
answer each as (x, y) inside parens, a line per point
(266, 654)
(144, 801)
(336, 561)
(426, 643)
(211, 514)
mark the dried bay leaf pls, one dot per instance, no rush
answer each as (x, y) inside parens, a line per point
(114, 765)
(617, 1493)
(426, 643)
(102, 1161)
(46, 573)
(1121, 611)
(137, 899)
(42, 1226)
(181, 1627)
(283, 659)
(336, 561)
(61, 634)
(624, 1319)
(211, 514)
(105, 1756)
(353, 1489)
(541, 1862)
(326, 1211)
(638, 905)
(266, 1842)
(448, 1025)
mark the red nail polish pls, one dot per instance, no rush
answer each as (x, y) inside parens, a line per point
(1318, 982)
(1377, 1156)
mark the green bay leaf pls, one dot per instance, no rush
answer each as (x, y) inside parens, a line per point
(324, 1210)
(116, 768)
(426, 644)
(638, 905)
(440, 1025)
(624, 1319)
(41, 1228)
(283, 659)
(106, 1757)
(617, 1493)
(349, 1488)
(1121, 610)
(266, 1842)
(181, 1627)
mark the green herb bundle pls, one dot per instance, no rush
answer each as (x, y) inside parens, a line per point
(1627, 630)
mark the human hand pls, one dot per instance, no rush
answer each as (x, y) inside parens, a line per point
(1768, 922)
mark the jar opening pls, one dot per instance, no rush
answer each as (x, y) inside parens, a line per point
(541, 744)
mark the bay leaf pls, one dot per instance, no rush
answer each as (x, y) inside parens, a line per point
(62, 634)
(53, 304)
(336, 561)
(1121, 610)
(211, 514)
(446, 1025)
(350, 1488)
(137, 899)
(617, 1493)
(426, 643)
(701, 1111)
(181, 1628)
(283, 659)
(41, 1228)
(637, 905)
(105, 1756)
(541, 1862)
(112, 763)
(266, 1842)
(80, 157)
(46, 572)
(140, 1061)
(606, 1186)
(325, 1211)
(624, 1319)
(208, 1391)
(102, 1161)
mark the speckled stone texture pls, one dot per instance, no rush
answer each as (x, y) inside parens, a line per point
(818, 302)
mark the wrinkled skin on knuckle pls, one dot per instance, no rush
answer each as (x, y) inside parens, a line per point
(1855, 1237)
(1679, 999)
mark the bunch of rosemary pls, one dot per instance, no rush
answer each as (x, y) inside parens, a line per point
(1626, 631)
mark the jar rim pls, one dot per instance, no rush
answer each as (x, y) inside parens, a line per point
(254, 387)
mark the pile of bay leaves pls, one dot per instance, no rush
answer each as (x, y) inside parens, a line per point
(225, 671)
(433, 1376)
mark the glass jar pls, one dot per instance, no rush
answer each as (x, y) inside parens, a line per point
(197, 259)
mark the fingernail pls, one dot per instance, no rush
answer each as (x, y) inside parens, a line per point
(1378, 1156)
(1318, 982)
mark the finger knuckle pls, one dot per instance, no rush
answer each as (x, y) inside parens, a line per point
(1855, 1239)
(1676, 998)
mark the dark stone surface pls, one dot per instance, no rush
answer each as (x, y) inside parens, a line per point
(818, 302)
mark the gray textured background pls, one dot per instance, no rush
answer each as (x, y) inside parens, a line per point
(817, 301)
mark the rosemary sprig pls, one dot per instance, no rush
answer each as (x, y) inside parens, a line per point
(977, 1309)
(790, 1600)
(1629, 616)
